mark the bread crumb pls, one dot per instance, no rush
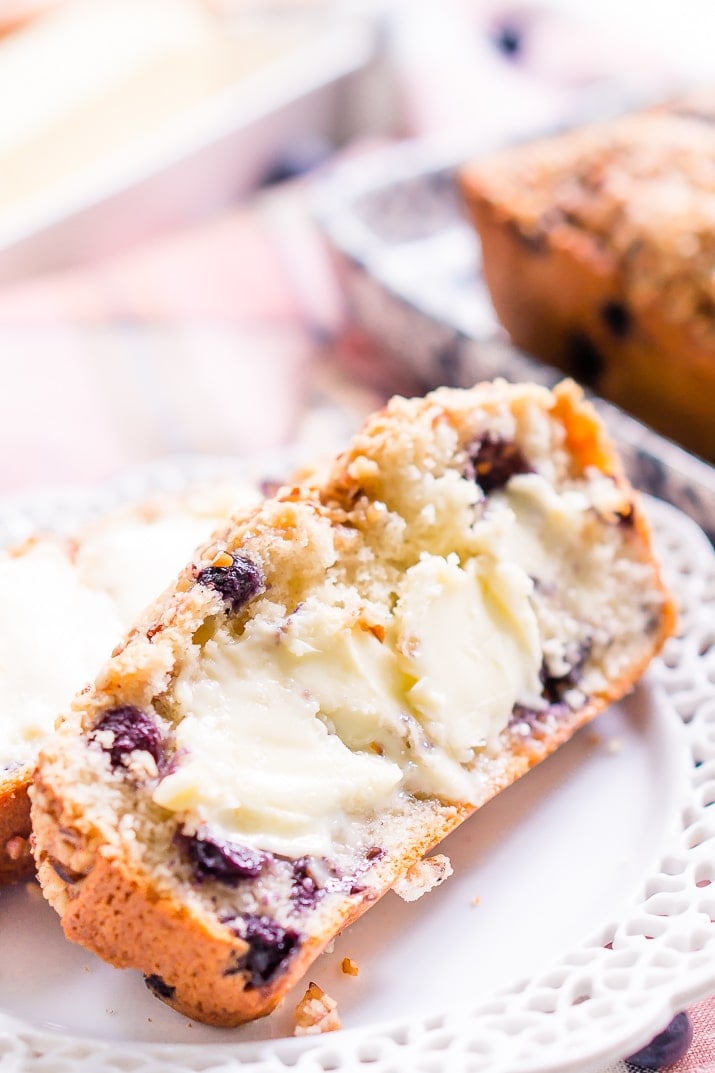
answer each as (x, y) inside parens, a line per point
(422, 877)
(316, 1013)
(476, 900)
(593, 738)
(615, 745)
(330, 947)
(349, 967)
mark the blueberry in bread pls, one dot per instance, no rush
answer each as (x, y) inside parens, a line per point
(598, 248)
(336, 682)
(64, 603)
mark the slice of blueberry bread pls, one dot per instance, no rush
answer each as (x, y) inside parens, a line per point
(90, 589)
(336, 682)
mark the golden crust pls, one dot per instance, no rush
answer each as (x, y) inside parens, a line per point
(124, 915)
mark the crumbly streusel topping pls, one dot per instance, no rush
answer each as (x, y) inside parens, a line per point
(638, 191)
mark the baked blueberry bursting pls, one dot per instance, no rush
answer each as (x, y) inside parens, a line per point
(159, 986)
(493, 462)
(305, 892)
(312, 878)
(584, 360)
(215, 858)
(554, 689)
(270, 947)
(237, 583)
(556, 686)
(617, 319)
(132, 729)
(532, 717)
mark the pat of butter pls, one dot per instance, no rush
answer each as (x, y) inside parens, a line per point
(55, 633)
(536, 527)
(309, 720)
(260, 764)
(470, 640)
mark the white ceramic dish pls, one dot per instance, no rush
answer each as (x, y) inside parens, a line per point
(593, 877)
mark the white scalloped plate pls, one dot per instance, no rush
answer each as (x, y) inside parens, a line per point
(580, 916)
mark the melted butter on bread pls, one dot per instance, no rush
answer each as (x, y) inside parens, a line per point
(310, 719)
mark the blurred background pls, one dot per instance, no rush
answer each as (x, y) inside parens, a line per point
(182, 188)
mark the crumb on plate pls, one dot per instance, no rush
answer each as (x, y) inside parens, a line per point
(349, 967)
(422, 877)
(316, 1013)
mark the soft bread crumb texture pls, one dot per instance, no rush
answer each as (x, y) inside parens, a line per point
(225, 891)
(422, 877)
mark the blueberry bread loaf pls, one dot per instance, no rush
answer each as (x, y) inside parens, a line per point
(336, 682)
(90, 589)
(598, 249)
